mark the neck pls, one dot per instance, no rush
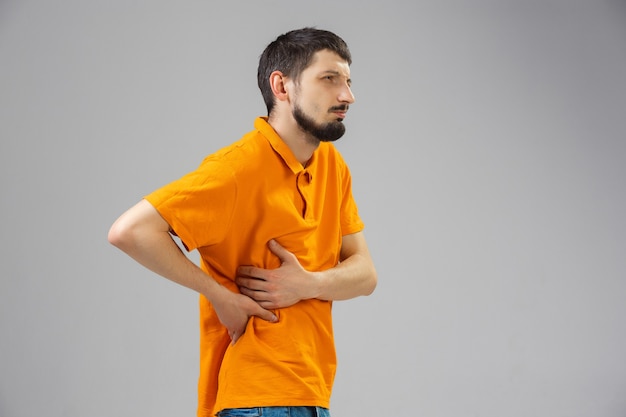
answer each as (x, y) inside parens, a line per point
(301, 144)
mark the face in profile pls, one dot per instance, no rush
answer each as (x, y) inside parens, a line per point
(323, 96)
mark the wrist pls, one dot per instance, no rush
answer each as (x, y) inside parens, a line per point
(214, 291)
(318, 280)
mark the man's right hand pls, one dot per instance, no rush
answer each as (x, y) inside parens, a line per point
(234, 310)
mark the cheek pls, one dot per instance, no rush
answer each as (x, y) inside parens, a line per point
(310, 108)
(311, 103)
(316, 107)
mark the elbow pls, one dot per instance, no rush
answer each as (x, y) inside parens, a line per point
(371, 282)
(114, 237)
(135, 227)
(120, 235)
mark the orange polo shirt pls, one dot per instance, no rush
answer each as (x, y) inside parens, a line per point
(228, 209)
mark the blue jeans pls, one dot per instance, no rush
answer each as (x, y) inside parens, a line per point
(275, 412)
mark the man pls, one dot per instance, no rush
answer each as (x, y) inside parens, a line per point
(279, 238)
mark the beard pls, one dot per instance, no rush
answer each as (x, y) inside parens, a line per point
(323, 132)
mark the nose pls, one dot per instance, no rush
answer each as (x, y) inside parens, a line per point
(346, 95)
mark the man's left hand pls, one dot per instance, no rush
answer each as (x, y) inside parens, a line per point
(280, 287)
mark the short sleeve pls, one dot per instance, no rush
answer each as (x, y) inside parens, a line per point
(199, 206)
(350, 220)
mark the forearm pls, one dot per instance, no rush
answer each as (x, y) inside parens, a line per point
(146, 239)
(144, 235)
(354, 277)
(290, 283)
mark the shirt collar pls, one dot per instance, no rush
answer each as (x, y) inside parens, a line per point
(279, 146)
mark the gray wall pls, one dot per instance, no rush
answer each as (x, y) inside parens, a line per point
(488, 148)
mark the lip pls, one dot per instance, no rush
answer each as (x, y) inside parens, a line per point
(340, 114)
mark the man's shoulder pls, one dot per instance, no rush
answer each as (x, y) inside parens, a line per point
(241, 155)
(247, 145)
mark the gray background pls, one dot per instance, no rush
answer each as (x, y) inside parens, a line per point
(488, 149)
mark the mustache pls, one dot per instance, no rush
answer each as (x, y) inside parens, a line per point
(343, 107)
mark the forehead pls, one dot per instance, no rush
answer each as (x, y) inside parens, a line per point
(328, 61)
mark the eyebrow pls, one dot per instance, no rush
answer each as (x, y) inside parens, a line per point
(336, 73)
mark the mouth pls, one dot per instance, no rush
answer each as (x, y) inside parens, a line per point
(339, 111)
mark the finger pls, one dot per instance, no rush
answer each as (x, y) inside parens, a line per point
(250, 272)
(244, 271)
(236, 334)
(251, 283)
(268, 305)
(283, 254)
(254, 294)
(266, 315)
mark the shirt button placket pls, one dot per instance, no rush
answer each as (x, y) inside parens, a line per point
(304, 179)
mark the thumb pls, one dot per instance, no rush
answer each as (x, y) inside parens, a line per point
(283, 254)
(266, 315)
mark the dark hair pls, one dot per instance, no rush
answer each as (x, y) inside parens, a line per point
(291, 53)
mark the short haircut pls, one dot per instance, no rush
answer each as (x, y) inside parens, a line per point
(292, 52)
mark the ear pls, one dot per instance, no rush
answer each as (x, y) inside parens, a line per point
(278, 83)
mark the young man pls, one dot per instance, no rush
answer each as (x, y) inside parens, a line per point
(279, 238)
